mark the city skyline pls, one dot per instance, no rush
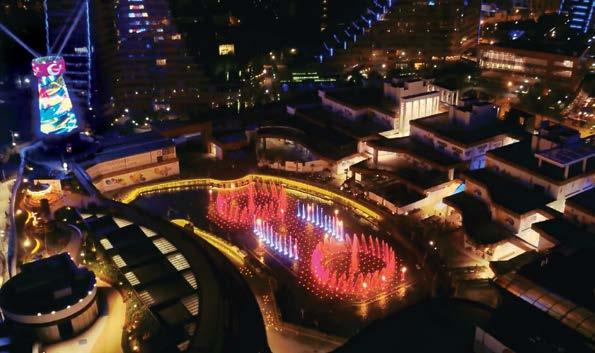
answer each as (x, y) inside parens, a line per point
(292, 176)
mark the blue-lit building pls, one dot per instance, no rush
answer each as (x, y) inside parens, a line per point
(580, 13)
(68, 33)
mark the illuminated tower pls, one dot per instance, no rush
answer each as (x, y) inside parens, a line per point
(56, 113)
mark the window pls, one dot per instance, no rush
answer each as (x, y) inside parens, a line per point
(137, 14)
(161, 62)
(191, 279)
(179, 262)
(146, 298)
(119, 261)
(191, 303)
(106, 244)
(131, 277)
(164, 246)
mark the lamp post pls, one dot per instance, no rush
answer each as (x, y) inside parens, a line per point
(13, 136)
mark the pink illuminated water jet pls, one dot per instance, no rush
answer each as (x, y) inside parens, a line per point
(358, 268)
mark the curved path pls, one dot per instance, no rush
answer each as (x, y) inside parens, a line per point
(229, 318)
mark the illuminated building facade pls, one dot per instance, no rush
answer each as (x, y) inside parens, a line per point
(67, 22)
(56, 113)
(149, 70)
(581, 14)
(399, 103)
(415, 31)
(519, 64)
(537, 8)
(133, 160)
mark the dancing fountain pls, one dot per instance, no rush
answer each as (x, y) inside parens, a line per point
(283, 244)
(316, 215)
(239, 207)
(358, 268)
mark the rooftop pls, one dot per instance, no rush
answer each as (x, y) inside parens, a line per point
(46, 285)
(568, 154)
(507, 193)
(359, 98)
(405, 171)
(477, 220)
(557, 274)
(441, 125)
(360, 128)
(585, 201)
(565, 233)
(323, 141)
(571, 48)
(398, 194)
(415, 148)
(129, 145)
(521, 155)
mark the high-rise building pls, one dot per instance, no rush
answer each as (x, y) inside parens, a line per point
(68, 34)
(537, 8)
(581, 13)
(412, 31)
(147, 71)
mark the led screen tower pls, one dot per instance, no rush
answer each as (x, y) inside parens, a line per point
(56, 113)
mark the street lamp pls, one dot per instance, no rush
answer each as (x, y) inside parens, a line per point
(13, 136)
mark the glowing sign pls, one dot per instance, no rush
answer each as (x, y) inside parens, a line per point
(227, 49)
(56, 116)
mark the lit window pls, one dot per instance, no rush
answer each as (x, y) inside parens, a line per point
(149, 233)
(164, 246)
(178, 261)
(119, 261)
(161, 62)
(146, 298)
(137, 14)
(106, 244)
(131, 277)
(122, 222)
(137, 30)
(191, 279)
(191, 303)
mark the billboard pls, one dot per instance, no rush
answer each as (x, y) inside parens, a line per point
(56, 114)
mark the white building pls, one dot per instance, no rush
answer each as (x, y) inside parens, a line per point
(556, 162)
(401, 102)
(133, 160)
(466, 132)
